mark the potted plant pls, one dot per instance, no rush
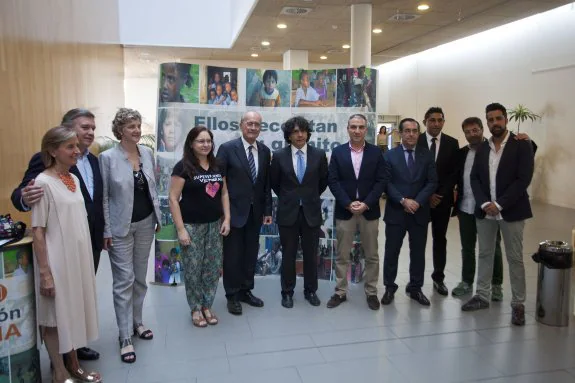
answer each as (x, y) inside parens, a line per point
(521, 114)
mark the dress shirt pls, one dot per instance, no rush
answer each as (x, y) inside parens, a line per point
(494, 159)
(254, 152)
(86, 172)
(429, 142)
(294, 156)
(467, 199)
(356, 158)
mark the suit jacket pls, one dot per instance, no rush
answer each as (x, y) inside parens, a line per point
(446, 167)
(242, 191)
(346, 187)
(400, 184)
(513, 176)
(290, 192)
(94, 206)
(118, 181)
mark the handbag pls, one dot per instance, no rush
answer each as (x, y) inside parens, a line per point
(10, 231)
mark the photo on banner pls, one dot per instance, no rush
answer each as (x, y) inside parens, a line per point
(222, 88)
(171, 130)
(313, 88)
(356, 88)
(268, 88)
(179, 82)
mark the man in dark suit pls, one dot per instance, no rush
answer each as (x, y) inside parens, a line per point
(245, 163)
(500, 176)
(444, 150)
(88, 172)
(356, 180)
(411, 180)
(298, 176)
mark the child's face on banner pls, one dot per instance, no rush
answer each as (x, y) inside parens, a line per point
(270, 84)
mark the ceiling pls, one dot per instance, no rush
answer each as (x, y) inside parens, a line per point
(328, 26)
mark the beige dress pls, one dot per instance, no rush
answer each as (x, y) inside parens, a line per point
(73, 310)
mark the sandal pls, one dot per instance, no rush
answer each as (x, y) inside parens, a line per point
(211, 318)
(83, 376)
(143, 333)
(127, 352)
(199, 321)
(54, 380)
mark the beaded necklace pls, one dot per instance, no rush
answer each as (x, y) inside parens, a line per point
(68, 180)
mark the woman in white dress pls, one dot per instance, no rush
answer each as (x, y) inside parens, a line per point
(64, 267)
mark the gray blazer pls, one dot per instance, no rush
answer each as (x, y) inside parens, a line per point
(118, 182)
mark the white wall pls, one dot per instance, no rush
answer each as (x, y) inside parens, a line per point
(531, 61)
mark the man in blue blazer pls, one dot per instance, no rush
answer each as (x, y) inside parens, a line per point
(411, 179)
(87, 170)
(356, 180)
(245, 163)
(500, 176)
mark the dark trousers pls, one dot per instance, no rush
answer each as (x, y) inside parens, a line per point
(240, 256)
(439, 222)
(468, 235)
(290, 238)
(394, 235)
(96, 256)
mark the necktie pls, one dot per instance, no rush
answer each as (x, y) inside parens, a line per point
(433, 147)
(410, 161)
(252, 163)
(300, 166)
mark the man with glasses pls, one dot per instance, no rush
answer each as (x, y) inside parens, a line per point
(411, 180)
(245, 163)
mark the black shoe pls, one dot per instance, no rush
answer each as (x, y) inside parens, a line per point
(312, 298)
(85, 353)
(387, 297)
(335, 301)
(419, 298)
(250, 299)
(518, 315)
(287, 301)
(234, 307)
(373, 302)
(440, 288)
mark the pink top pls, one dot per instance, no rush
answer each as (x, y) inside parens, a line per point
(356, 158)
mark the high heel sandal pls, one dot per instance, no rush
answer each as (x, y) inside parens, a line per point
(83, 376)
(143, 333)
(54, 380)
(211, 318)
(127, 352)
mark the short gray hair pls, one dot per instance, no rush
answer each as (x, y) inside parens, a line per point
(52, 141)
(123, 117)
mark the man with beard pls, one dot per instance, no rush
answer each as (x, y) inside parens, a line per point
(500, 176)
(174, 76)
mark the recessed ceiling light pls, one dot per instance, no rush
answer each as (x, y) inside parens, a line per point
(255, 55)
(323, 57)
(265, 43)
(346, 46)
(423, 7)
(377, 30)
(282, 26)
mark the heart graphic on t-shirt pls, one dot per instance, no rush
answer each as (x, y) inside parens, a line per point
(212, 188)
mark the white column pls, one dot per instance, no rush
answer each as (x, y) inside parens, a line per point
(360, 35)
(295, 59)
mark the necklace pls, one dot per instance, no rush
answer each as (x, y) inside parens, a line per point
(68, 180)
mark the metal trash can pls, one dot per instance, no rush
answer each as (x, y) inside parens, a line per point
(555, 260)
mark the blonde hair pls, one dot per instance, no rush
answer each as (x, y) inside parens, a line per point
(123, 117)
(52, 141)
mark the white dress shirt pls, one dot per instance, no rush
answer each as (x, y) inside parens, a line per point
(494, 159)
(467, 199)
(429, 142)
(86, 172)
(254, 152)
(294, 156)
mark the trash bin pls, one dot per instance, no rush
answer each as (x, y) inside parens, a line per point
(555, 260)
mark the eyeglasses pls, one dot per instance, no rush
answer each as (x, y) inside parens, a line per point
(203, 142)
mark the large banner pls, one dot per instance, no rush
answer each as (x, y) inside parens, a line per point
(325, 97)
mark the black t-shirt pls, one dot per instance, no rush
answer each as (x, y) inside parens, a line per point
(143, 206)
(201, 196)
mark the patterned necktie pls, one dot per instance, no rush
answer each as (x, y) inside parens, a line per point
(433, 146)
(300, 166)
(410, 161)
(252, 163)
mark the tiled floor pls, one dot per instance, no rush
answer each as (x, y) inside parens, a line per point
(403, 342)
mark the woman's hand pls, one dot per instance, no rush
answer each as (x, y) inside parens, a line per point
(184, 237)
(225, 228)
(107, 243)
(47, 287)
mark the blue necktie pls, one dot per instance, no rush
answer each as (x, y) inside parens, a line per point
(410, 161)
(300, 166)
(252, 164)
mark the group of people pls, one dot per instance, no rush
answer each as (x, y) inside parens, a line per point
(82, 204)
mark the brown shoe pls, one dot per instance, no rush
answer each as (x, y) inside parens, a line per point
(373, 302)
(335, 300)
(518, 315)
